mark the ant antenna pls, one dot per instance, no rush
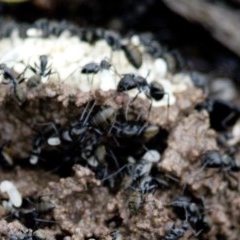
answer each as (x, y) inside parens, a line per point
(115, 173)
(114, 158)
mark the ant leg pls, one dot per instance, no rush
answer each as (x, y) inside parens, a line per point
(168, 104)
(150, 106)
(227, 119)
(115, 173)
(233, 176)
(89, 113)
(91, 80)
(231, 184)
(51, 124)
(195, 174)
(33, 69)
(114, 158)
(85, 114)
(21, 74)
(129, 102)
(84, 111)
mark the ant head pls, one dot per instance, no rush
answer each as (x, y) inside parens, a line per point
(104, 64)
(43, 58)
(127, 82)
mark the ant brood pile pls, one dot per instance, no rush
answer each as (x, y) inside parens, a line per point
(113, 117)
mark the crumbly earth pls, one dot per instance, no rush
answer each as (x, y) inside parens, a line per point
(88, 208)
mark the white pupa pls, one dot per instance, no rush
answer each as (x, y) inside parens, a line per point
(14, 196)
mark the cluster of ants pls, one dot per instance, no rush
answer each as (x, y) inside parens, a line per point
(123, 153)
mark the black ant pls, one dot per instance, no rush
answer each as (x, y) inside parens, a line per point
(224, 162)
(95, 67)
(78, 130)
(42, 70)
(191, 213)
(154, 90)
(176, 232)
(9, 75)
(30, 212)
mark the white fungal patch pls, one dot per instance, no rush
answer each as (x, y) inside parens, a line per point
(15, 197)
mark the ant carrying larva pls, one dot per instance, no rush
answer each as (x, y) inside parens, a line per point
(94, 75)
(33, 212)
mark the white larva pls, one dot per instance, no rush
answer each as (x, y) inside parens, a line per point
(92, 162)
(33, 32)
(33, 159)
(160, 67)
(107, 80)
(151, 156)
(14, 196)
(54, 141)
